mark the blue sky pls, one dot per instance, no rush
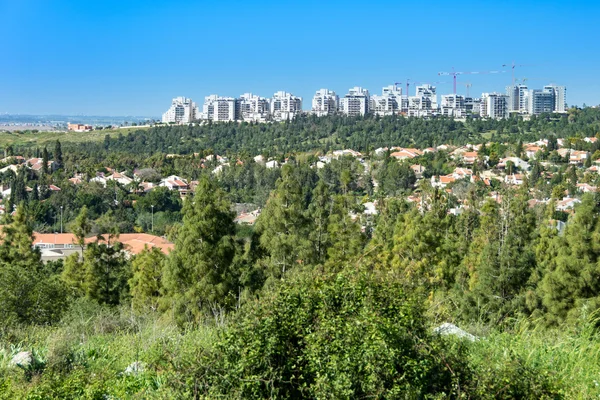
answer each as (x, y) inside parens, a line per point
(131, 57)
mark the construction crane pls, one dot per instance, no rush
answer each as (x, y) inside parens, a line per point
(468, 85)
(408, 83)
(512, 67)
(454, 74)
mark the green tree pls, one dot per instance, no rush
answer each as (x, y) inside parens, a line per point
(500, 259)
(58, 156)
(347, 240)
(318, 212)
(29, 291)
(45, 160)
(81, 227)
(198, 277)
(107, 272)
(571, 280)
(146, 281)
(284, 228)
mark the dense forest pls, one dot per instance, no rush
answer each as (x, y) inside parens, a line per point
(319, 298)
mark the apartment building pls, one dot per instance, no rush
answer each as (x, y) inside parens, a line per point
(540, 101)
(285, 106)
(355, 102)
(182, 111)
(472, 105)
(517, 98)
(560, 97)
(220, 109)
(424, 103)
(325, 102)
(389, 103)
(253, 108)
(494, 105)
(453, 105)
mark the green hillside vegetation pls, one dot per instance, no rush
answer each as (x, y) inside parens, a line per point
(317, 299)
(32, 138)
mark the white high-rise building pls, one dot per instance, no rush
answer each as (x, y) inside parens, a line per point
(453, 105)
(389, 103)
(356, 102)
(472, 105)
(285, 105)
(560, 97)
(182, 111)
(518, 98)
(325, 102)
(494, 105)
(540, 101)
(253, 108)
(424, 103)
(220, 109)
(428, 91)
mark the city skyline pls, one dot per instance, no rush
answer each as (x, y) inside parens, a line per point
(106, 58)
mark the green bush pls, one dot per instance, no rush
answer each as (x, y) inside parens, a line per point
(347, 335)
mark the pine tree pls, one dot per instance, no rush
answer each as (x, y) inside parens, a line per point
(29, 292)
(500, 259)
(73, 275)
(17, 242)
(318, 212)
(35, 193)
(106, 273)
(81, 227)
(198, 277)
(347, 240)
(58, 156)
(45, 160)
(284, 228)
(146, 281)
(571, 280)
(18, 189)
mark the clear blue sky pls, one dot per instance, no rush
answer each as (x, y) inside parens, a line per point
(130, 57)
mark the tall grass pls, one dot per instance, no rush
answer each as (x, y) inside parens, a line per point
(86, 357)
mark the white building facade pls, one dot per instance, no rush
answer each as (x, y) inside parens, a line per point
(540, 101)
(518, 98)
(356, 102)
(285, 106)
(325, 102)
(253, 108)
(389, 103)
(560, 97)
(453, 105)
(494, 105)
(182, 111)
(220, 109)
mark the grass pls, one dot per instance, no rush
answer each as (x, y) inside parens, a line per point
(87, 354)
(49, 138)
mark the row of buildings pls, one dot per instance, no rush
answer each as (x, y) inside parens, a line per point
(359, 102)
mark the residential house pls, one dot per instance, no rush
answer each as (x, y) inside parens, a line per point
(462, 173)
(517, 162)
(469, 157)
(532, 150)
(405, 154)
(120, 177)
(586, 188)
(418, 170)
(272, 164)
(174, 182)
(514, 179)
(578, 157)
(442, 181)
(567, 204)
